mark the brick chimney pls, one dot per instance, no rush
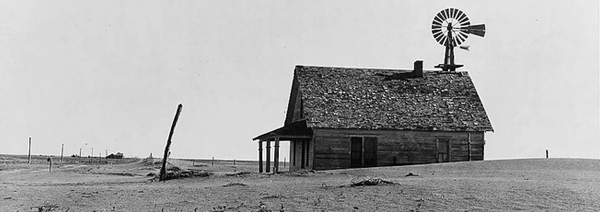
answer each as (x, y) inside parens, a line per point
(418, 68)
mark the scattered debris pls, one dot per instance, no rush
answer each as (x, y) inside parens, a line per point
(411, 174)
(177, 173)
(371, 182)
(47, 207)
(119, 174)
(234, 184)
(174, 168)
(238, 174)
(302, 172)
(262, 207)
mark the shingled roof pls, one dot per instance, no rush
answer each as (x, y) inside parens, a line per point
(359, 98)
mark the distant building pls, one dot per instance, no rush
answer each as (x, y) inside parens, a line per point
(115, 156)
(358, 117)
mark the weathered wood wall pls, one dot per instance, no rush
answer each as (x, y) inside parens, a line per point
(332, 147)
(296, 152)
(295, 155)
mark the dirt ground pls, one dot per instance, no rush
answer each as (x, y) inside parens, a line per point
(123, 185)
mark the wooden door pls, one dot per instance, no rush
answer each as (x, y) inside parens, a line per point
(370, 151)
(443, 150)
(356, 149)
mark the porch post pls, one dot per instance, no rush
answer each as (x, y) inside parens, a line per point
(268, 167)
(276, 156)
(260, 156)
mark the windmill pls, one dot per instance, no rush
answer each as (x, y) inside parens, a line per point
(450, 28)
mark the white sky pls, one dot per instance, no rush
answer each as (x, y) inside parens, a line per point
(111, 73)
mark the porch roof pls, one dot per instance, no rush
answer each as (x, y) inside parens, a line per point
(294, 130)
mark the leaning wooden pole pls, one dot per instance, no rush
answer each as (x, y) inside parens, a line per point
(29, 153)
(163, 170)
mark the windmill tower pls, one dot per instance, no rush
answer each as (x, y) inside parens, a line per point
(450, 28)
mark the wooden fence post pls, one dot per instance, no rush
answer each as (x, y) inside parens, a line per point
(29, 153)
(163, 170)
(50, 168)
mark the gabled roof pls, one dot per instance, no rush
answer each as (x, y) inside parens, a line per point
(358, 98)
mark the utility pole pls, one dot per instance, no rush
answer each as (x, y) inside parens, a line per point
(61, 152)
(163, 170)
(29, 154)
(79, 155)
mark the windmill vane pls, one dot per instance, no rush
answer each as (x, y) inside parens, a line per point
(450, 28)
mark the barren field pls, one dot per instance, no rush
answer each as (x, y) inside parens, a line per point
(124, 185)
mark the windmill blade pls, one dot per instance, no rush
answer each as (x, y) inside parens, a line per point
(440, 16)
(463, 18)
(437, 20)
(436, 32)
(446, 13)
(478, 29)
(461, 37)
(459, 15)
(440, 38)
(463, 34)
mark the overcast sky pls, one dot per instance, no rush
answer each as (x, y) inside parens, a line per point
(108, 75)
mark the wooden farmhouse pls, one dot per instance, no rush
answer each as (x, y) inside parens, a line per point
(359, 117)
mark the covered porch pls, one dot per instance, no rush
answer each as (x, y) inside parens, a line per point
(298, 135)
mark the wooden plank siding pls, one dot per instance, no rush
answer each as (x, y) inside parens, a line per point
(300, 152)
(395, 147)
(296, 156)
